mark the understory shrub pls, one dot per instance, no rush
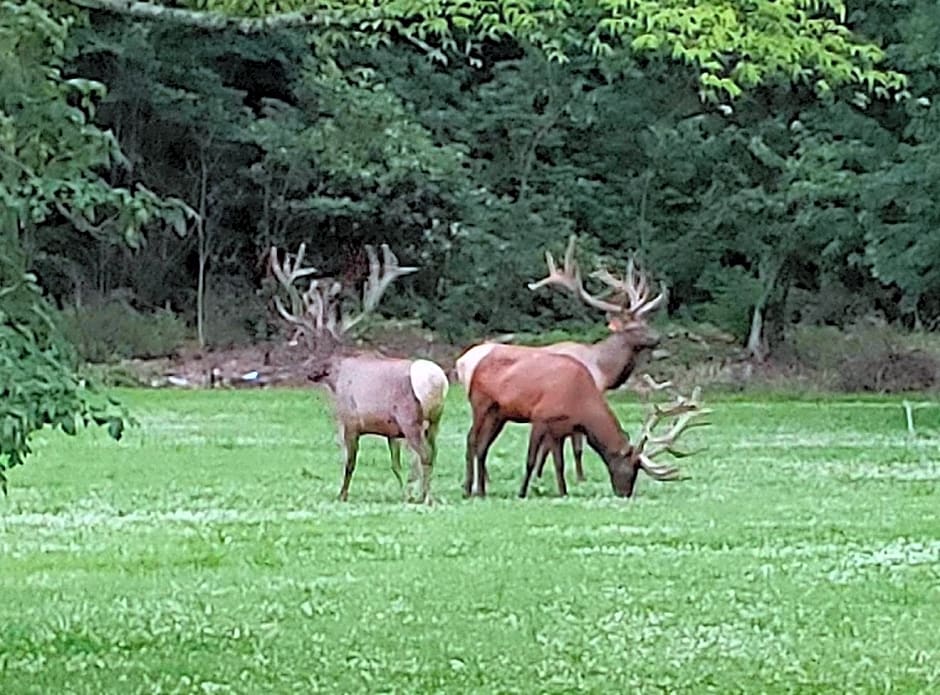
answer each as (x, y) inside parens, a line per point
(869, 356)
(890, 371)
(235, 312)
(39, 386)
(113, 329)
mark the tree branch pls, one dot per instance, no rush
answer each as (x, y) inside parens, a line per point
(213, 20)
(81, 223)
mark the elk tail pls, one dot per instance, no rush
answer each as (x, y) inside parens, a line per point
(429, 383)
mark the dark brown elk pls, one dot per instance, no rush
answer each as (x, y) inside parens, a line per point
(610, 361)
(372, 394)
(558, 396)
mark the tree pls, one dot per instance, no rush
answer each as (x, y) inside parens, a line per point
(898, 196)
(50, 155)
(38, 384)
(902, 224)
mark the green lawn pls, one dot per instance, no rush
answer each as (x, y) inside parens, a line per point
(205, 553)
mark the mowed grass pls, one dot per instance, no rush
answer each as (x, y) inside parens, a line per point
(205, 553)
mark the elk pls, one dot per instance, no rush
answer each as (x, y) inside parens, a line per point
(372, 394)
(558, 396)
(610, 361)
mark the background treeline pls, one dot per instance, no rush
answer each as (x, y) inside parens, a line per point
(780, 210)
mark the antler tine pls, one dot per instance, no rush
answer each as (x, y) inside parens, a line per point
(315, 305)
(286, 273)
(330, 298)
(656, 385)
(656, 471)
(571, 275)
(298, 259)
(381, 274)
(666, 442)
(628, 285)
(687, 410)
(570, 279)
(635, 286)
(640, 303)
(647, 306)
(639, 282)
(646, 432)
(610, 280)
(553, 277)
(289, 316)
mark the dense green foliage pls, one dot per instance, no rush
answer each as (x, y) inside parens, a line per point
(38, 385)
(733, 45)
(206, 554)
(778, 207)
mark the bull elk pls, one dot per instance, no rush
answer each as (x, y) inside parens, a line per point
(372, 394)
(610, 361)
(558, 396)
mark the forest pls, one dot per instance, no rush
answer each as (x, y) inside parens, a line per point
(775, 165)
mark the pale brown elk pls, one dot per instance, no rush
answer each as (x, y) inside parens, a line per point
(558, 396)
(610, 361)
(372, 394)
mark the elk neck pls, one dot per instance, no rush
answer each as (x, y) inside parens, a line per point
(615, 357)
(603, 432)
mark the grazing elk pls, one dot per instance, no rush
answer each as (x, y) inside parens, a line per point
(558, 396)
(610, 361)
(373, 394)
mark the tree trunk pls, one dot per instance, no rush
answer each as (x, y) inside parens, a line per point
(768, 271)
(776, 318)
(201, 287)
(756, 347)
(203, 250)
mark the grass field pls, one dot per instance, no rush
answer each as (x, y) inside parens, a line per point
(205, 554)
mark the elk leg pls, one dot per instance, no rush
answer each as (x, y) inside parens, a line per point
(541, 465)
(394, 450)
(479, 439)
(491, 431)
(415, 436)
(351, 450)
(472, 437)
(577, 446)
(430, 438)
(536, 438)
(558, 453)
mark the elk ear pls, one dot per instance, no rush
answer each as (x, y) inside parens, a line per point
(319, 371)
(615, 324)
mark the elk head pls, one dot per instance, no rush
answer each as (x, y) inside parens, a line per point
(684, 413)
(626, 308)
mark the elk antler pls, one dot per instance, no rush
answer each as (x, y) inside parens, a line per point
(307, 309)
(570, 279)
(649, 386)
(316, 310)
(381, 274)
(686, 410)
(635, 286)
